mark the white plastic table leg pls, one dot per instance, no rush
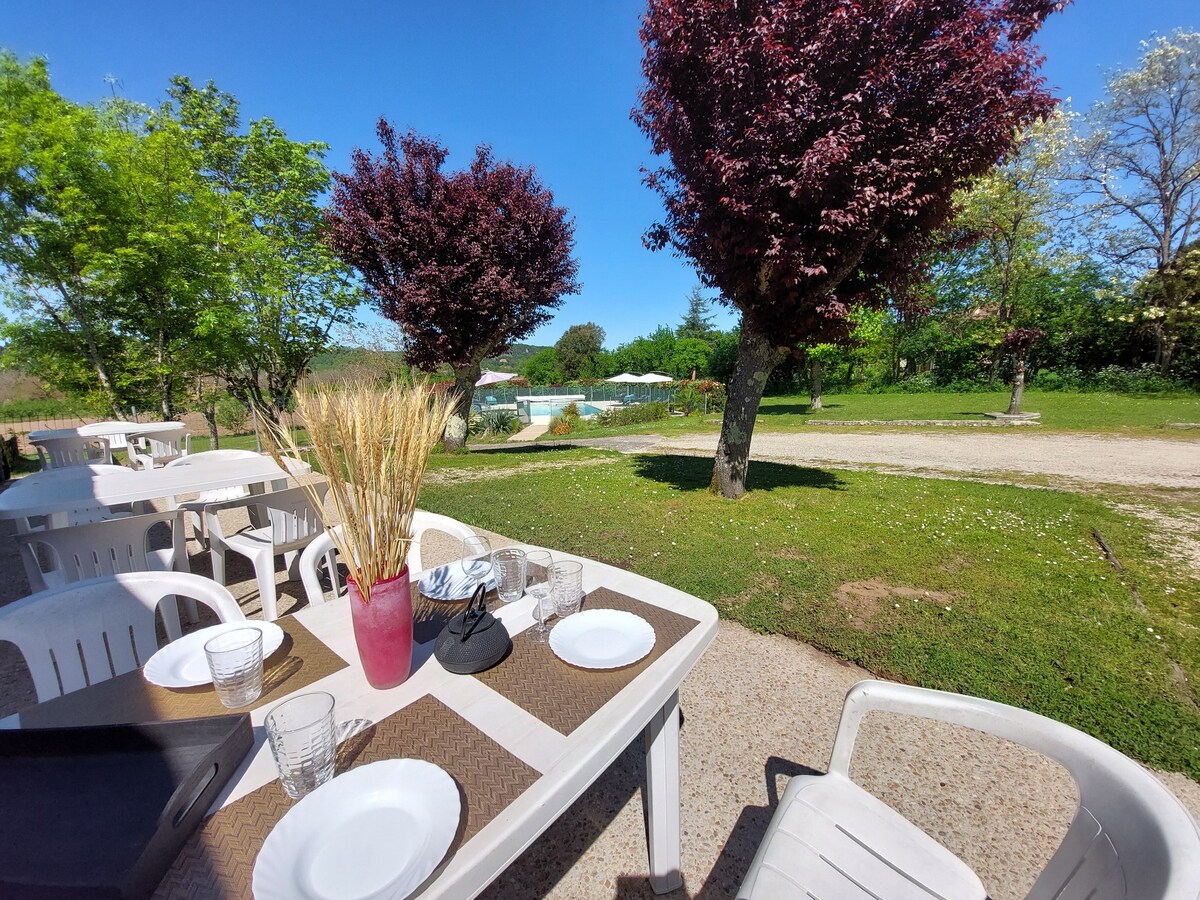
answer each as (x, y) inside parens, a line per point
(662, 797)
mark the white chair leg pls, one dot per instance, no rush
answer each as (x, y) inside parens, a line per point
(331, 564)
(291, 559)
(264, 571)
(662, 797)
(217, 554)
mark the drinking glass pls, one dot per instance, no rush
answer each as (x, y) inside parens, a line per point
(566, 587)
(303, 739)
(477, 559)
(235, 659)
(537, 586)
(508, 564)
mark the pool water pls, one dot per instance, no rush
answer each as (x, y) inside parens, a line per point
(555, 408)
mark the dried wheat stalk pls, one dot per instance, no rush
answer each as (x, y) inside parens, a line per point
(379, 439)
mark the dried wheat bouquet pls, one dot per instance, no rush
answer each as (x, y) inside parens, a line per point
(379, 440)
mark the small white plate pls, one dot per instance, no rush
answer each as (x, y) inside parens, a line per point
(182, 663)
(375, 832)
(602, 639)
(450, 582)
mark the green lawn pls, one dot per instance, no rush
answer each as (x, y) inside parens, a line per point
(1021, 607)
(1129, 414)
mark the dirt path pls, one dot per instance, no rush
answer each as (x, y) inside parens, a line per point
(1087, 458)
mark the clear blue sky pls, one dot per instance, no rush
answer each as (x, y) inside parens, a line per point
(547, 83)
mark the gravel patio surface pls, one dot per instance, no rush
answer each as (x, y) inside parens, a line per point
(758, 709)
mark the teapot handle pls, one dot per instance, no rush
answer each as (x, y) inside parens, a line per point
(474, 614)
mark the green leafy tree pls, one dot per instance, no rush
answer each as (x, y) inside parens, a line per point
(1139, 166)
(578, 350)
(106, 240)
(543, 368)
(697, 321)
(690, 356)
(288, 290)
(1012, 213)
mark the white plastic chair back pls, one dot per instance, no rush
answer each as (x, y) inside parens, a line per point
(111, 547)
(113, 432)
(64, 452)
(292, 518)
(94, 630)
(1131, 838)
(165, 446)
(29, 558)
(323, 548)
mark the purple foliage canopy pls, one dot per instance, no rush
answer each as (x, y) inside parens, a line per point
(464, 262)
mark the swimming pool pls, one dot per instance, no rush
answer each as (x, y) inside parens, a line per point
(555, 408)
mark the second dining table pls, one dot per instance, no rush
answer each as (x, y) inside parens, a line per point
(79, 487)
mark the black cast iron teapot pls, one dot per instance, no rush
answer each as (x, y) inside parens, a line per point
(473, 640)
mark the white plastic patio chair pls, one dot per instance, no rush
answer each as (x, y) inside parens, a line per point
(292, 524)
(195, 508)
(64, 452)
(68, 518)
(94, 630)
(323, 549)
(162, 447)
(1130, 840)
(108, 547)
(112, 431)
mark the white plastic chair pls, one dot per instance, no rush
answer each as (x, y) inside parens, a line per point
(163, 447)
(97, 629)
(64, 452)
(113, 432)
(195, 508)
(292, 524)
(323, 549)
(68, 518)
(1130, 840)
(109, 547)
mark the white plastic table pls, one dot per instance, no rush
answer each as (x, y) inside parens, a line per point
(103, 429)
(80, 487)
(567, 764)
(649, 704)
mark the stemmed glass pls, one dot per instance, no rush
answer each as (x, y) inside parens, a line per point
(477, 560)
(537, 586)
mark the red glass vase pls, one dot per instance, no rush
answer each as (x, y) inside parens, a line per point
(383, 630)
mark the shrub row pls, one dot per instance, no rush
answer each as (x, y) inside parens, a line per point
(632, 415)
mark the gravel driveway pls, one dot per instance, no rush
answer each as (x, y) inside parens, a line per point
(1088, 458)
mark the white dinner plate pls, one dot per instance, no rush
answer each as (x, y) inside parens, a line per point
(182, 663)
(602, 639)
(374, 833)
(450, 582)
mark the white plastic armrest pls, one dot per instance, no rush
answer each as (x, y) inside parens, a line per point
(1008, 722)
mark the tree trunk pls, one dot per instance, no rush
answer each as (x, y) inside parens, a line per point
(815, 394)
(210, 417)
(1018, 388)
(1164, 348)
(455, 436)
(755, 360)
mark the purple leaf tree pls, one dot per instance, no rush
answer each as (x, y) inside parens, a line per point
(813, 147)
(464, 262)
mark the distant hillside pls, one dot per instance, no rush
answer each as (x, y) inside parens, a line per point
(513, 360)
(344, 361)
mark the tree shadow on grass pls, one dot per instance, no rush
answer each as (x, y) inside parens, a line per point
(792, 409)
(522, 448)
(694, 473)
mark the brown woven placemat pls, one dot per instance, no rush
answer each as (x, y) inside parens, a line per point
(300, 660)
(563, 696)
(217, 862)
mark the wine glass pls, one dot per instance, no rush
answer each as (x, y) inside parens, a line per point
(537, 586)
(477, 560)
